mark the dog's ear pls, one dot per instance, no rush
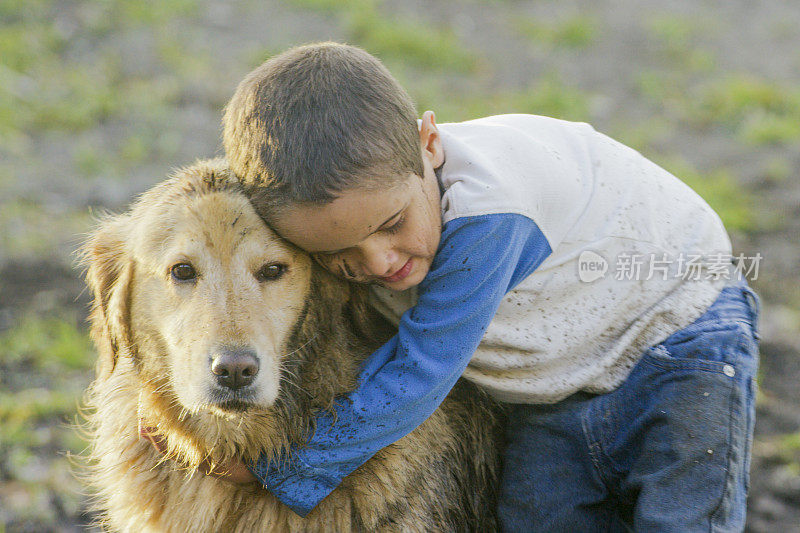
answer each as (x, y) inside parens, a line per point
(334, 292)
(366, 320)
(351, 300)
(109, 274)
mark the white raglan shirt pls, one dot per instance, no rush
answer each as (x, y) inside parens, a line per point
(592, 197)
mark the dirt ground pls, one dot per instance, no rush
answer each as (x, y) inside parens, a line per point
(98, 101)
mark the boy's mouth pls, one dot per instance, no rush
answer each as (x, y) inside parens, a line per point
(401, 274)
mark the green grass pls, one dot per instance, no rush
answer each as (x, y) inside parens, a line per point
(45, 88)
(676, 39)
(645, 135)
(151, 13)
(777, 171)
(576, 32)
(75, 98)
(22, 44)
(665, 89)
(6, 175)
(413, 41)
(47, 362)
(33, 230)
(257, 54)
(758, 111)
(394, 39)
(734, 98)
(674, 32)
(136, 149)
(90, 160)
(27, 40)
(48, 344)
(770, 128)
(549, 96)
(35, 436)
(787, 449)
(21, 411)
(329, 6)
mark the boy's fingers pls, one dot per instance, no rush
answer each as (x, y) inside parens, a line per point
(158, 442)
(234, 472)
(151, 434)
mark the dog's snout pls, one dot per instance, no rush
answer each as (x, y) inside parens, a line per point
(234, 369)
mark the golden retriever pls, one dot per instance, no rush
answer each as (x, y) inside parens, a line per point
(228, 340)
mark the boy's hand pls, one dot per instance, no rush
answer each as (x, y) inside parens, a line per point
(235, 472)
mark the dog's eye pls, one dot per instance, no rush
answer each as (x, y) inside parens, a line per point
(270, 272)
(183, 272)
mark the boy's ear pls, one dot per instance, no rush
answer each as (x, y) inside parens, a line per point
(430, 141)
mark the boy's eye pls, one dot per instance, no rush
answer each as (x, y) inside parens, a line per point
(394, 228)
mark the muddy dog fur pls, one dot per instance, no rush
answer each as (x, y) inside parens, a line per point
(156, 335)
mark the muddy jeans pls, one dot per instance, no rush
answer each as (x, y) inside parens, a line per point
(669, 450)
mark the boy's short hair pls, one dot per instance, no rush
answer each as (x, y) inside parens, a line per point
(316, 120)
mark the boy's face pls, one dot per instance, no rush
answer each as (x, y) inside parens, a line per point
(385, 236)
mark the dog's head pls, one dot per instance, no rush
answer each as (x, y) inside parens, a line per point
(198, 293)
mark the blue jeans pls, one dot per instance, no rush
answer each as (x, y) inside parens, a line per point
(669, 450)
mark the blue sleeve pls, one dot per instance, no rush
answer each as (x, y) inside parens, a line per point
(478, 261)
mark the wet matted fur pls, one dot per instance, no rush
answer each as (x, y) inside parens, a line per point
(156, 336)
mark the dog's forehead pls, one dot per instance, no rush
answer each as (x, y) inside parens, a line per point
(222, 209)
(221, 220)
(224, 217)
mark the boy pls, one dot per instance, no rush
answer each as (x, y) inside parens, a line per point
(491, 243)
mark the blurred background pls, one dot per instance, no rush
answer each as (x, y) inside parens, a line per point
(99, 100)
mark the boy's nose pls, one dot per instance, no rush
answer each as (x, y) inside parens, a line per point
(379, 261)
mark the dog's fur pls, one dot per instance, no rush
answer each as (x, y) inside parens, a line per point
(155, 337)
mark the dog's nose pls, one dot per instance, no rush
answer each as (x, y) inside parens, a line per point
(234, 368)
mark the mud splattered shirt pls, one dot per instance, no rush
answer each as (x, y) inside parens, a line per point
(634, 253)
(526, 295)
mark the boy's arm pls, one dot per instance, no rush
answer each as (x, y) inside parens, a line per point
(479, 260)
